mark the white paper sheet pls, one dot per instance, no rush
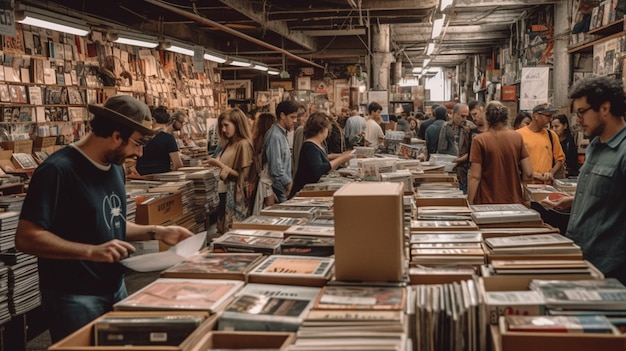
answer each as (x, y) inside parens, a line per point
(162, 260)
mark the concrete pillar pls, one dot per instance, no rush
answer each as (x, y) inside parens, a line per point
(396, 71)
(561, 65)
(381, 56)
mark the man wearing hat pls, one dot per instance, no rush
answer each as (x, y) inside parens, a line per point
(543, 146)
(74, 217)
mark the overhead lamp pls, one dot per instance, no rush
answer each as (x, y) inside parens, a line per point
(426, 62)
(417, 69)
(430, 48)
(180, 50)
(210, 56)
(260, 67)
(135, 40)
(239, 62)
(273, 72)
(52, 21)
(438, 26)
(443, 4)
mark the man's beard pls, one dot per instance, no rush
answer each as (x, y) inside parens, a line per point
(116, 156)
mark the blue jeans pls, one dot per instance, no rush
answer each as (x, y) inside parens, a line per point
(463, 187)
(67, 313)
(280, 191)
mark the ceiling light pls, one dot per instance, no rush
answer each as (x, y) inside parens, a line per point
(417, 69)
(438, 26)
(123, 39)
(260, 67)
(53, 21)
(444, 4)
(180, 50)
(430, 49)
(273, 72)
(239, 63)
(214, 57)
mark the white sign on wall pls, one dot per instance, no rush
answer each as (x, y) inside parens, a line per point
(534, 88)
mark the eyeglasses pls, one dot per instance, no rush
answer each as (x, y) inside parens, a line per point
(581, 112)
(549, 115)
(139, 143)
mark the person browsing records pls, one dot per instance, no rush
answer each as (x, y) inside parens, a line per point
(161, 153)
(598, 209)
(74, 217)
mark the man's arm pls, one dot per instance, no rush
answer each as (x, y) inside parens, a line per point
(475, 175)
(277, 170)
(170, 235)
(35, 240)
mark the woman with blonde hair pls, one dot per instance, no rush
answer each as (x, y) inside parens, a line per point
(498, 157)
(236, 161)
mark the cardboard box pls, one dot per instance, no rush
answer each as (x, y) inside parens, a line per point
(83, 338)
(522, 281)
(519, 341)
(8, 165)
(41, 143)
(369, 232)
(25, 146)
(159, 210)
(245, 340)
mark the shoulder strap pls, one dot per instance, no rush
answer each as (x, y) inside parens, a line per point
(551, 145)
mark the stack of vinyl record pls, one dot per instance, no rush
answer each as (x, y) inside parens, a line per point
(5, 316)
(11, 203)
(205, 191)
(8, 224)
(23, 282)
(131, 208)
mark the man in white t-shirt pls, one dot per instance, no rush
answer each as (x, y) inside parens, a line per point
(374, 136)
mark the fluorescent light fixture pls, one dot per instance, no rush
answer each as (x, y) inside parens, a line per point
(426, 62)
(214, 57)
(136, 42)
(417, 69)
(273, 72)
(56, 22)
(260, 67)
(443, 4)
(239, 62)
(430, 49)
(180, 50)
(438, 26)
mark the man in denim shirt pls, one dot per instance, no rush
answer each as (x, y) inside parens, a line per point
(598, 208)
(276, 149)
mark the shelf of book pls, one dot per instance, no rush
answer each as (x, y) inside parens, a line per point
(588, 47)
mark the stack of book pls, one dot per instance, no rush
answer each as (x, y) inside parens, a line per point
(444, 213)
(209, 265)
(282, 210)
(594, 324)
(534, 246)
(505, 215)
(268, 222)
(182, 294)
(302, 245)
(356, 317)
(11, 203)
(8, 225)
(310, 231)
(539, 267)
(23, 276)
(268, 307)
(206, 198)
(442, 248)
(583, 297)
(504, 303)
(230, 242)
(5, 315)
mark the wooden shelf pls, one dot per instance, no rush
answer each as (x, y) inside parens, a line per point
(611, 28)
(588, 47)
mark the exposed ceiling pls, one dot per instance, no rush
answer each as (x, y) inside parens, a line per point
(320, 31)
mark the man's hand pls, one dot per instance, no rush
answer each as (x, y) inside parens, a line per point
(172, 234)
(111, 251)
(288, 188)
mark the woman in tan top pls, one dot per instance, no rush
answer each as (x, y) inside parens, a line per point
(236, 162)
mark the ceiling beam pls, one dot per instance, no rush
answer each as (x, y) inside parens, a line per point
(335, 32)
(231, 31)
(245, 8)
(501, 3)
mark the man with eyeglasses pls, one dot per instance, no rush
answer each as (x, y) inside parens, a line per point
(74, 217)
(598, 208)
(469, 131)
(451, 136)
(543, 146)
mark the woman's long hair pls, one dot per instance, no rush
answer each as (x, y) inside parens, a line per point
(239, 119)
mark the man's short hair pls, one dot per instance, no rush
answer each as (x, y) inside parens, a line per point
(286, 107)
(374, 106)
(441, 113)
(161, 115)
(599, 90)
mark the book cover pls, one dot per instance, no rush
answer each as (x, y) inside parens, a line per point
(528, 240)
(518, 303)
(34, 95)
(181, 294)
(267, 307)
(559, 324)
(310, 230)
(308, 246)
(357, 297)
(208, 265)
(429, 225)
(257, 232)
(293, 270)
(445, 237)
(145, 330)
(505, 216)
(268, 222)
(24, 160)
(246, 243)
(606, 294)
(289, 211)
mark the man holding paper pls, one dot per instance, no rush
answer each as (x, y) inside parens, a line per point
(74, 217)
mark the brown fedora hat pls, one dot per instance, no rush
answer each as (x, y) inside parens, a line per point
(126, 110)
